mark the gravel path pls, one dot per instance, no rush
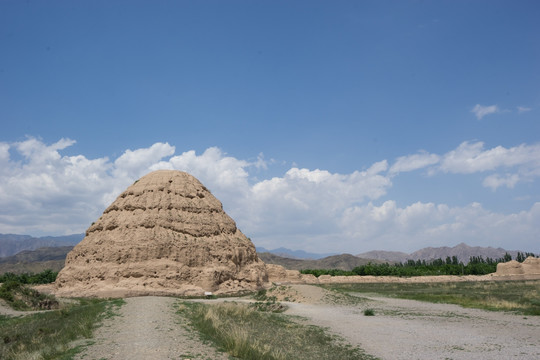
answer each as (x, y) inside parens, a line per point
(147, 328)
(407, 329)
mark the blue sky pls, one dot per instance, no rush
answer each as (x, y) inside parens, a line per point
(340, 126)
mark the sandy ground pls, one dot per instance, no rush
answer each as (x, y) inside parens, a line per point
(147, 328)
(407, 329)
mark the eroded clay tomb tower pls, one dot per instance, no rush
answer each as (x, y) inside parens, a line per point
(165, 234)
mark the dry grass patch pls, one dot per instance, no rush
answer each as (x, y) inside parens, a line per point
(310, 294)
(246, 333)
(48, 335)
(522, 297)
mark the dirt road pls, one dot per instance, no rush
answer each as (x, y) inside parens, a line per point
(406, 329)
(147, 328)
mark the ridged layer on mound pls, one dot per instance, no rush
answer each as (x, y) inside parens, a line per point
(166, 234)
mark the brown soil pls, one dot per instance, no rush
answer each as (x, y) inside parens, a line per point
(407, 329)
(148, 328)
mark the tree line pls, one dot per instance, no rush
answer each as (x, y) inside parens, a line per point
(477, 265)
(44, 277)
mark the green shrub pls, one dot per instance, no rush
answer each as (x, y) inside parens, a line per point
(369, 312)
(44, 277)
(21, 297)
(268, 306)
(260, 295)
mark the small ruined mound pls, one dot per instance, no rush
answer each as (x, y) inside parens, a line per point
(531, 266)
(278, 274)
(164, 235)
(302, 293)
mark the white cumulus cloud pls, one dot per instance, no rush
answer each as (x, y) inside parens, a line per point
(480, 111)
(47, 192)
(309, 201)
(520, 163)
(50, 193)
(214, 168)
(4, 153)
(495, 181)
(390, 227)
(136, 163)
(414, 162)
(44, 192)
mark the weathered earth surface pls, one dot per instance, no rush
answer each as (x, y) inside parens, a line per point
(408, 329)
(531, 266)
(164, 235)
(148, 328)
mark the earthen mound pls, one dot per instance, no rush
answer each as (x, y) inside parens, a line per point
(531, 266)
(166, 234)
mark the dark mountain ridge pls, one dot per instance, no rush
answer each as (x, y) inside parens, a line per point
(41, 254)
(462, 251)
(35, 261)
(294, 254)
(11, 244)
(342, 262)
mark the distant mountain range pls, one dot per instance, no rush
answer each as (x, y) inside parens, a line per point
(462, 251)
(342, 262)
(294, 254)
(35, 261)
(11, 244)
(41, 254)
(19, 253)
